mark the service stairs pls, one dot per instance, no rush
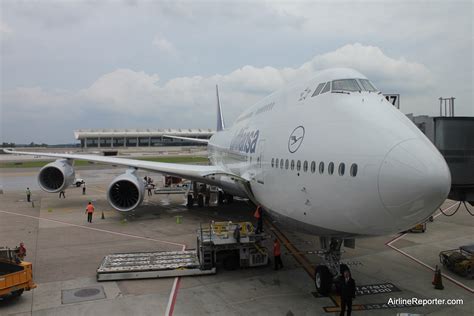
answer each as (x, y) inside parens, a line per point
(160, 264)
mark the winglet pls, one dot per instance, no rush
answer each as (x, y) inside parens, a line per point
(220, 117)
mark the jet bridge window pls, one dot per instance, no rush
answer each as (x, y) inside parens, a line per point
(318, 89)
(345, 85)
(327, 87)
(367, 85)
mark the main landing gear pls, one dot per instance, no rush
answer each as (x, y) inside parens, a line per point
(325, 275)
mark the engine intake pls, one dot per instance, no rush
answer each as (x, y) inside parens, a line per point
(126, 192)
(56, 176)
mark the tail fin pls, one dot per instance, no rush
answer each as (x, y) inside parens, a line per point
(220, 117)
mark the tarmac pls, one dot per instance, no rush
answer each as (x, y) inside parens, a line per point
(66, 250)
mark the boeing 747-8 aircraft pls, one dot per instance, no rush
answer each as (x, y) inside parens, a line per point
(331, 157)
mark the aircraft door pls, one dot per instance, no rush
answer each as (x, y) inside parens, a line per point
(261, 162)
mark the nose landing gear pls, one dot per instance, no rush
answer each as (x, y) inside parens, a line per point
(325, 275)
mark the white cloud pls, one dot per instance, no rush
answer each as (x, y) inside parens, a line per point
(388, 72)
(164, 45)
(5, 30)
(137, 93)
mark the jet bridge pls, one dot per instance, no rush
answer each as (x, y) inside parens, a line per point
(452, 135)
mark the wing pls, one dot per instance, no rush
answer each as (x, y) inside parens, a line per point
(191, 172)
(196, 140)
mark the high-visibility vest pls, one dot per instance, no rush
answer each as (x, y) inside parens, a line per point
(276, 249)
(257, 213)
(90, 208)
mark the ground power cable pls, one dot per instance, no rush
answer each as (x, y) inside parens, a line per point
(445, 214)
(459, 205)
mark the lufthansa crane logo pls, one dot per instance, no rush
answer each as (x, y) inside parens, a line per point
(296, 138)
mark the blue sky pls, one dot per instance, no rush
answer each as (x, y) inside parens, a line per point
(67, 65)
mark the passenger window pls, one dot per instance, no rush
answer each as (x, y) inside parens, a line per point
(318, 89)
(298, 165)
(287, 162)
(331, 168)
(327, 87)
(313, 166)
(353, 170)
(321, 167)
(292, 164)
(281, 163)
(342, 168)
(276, 163)
(305, 166)
(273, 162)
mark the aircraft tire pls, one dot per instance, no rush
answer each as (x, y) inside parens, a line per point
(323, 280)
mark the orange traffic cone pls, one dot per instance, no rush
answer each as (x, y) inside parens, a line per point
(438, 280)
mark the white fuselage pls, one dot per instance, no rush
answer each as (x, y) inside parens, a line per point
(387, 176)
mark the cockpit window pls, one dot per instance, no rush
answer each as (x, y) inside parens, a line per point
(345, 85)
(327, 87)
(318, 89)
(367, 85)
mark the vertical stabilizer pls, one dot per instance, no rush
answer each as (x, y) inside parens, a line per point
(220, 117)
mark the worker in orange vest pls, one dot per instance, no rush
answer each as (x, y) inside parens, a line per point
(277, 254)
(258, 215)
(89, 211)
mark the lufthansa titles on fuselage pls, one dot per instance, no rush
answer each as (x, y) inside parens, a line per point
(245, 141)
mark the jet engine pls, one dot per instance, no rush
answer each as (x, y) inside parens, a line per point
(56, 176)
(126, 192)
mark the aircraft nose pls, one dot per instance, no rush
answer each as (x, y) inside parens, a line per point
(413, 181)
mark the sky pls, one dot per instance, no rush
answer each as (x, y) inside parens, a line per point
(68, 65)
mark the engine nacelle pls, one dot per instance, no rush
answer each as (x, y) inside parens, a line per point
(126, 192)
(56, 176)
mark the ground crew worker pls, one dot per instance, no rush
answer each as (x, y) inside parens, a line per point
(28, 194)
(89, 211)
(347, 289)
(149, 187)
(258, 215)
(207, 199)
(21, 251)
(62, 193)
(237, 233)
(277, 254)
(83, 188)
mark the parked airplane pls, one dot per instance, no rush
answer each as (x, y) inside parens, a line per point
(331, 157)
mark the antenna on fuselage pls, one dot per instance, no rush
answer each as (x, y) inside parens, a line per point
(220, 117)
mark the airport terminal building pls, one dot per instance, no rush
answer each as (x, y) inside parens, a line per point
(121, 138)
